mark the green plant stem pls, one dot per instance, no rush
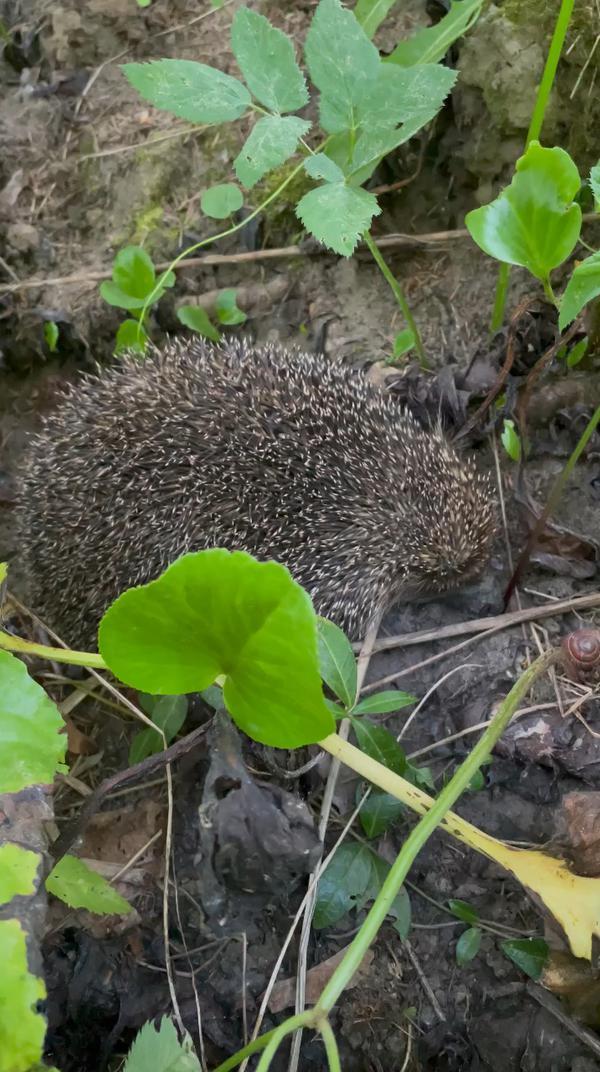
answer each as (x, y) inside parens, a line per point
(331, 1047)
(398, 294)
(549, 292)
(57, 655)
(535, 127)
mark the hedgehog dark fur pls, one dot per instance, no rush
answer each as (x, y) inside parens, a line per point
(286, 455)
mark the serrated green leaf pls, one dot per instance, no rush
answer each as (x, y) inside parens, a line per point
(336, 661)
(337, 215)
(464, 911)
(159, 1050)
(198, 320)
(529, 954)
(272, 140)
(18, 870)
(320, 166)
(266, 59)
(595, 184)
(583, 287)
(51, 335)
(73, 882)
(371, 13)
(22, 1028)
(215, 613)
(190, 90)
(227, 308)
(404, 95)
(131, 336)
(380, 744)
(372, 145)
(467, 946)
(432, 43)
(31, 743)
(344, 881)
(577, 352)
(534, 222)
(379, 811)
(342, 63)
(222, 200)
(511, 440)
(382, 702)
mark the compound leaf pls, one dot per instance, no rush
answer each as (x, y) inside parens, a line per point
(22, 1028)
(336, 661)
(342, 62)
(190, 90)
(215, 613)
(266, 59)
(534, 222)
(31, 743)
(337, 215)
(272, 140)
(73, 882)
(160, 1050)
(320, 166)
(432, 43)
(583, 286)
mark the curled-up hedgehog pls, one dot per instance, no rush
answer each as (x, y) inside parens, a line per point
(285, 455)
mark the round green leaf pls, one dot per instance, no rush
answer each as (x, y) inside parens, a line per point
(583, 286)
(467, 946)
(336, 661)
(197, 319)
(534, 222)
(22, 1029)
(133, 271)
(31, 744)
(18, 869)
(220, 201)
(73, 882)
(215, 613)
(190, 90)
(266, 59)
(529, 954)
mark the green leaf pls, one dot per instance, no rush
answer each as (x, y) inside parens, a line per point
(337, 215)
(198, 320)
(133, 271)
(463, 910)
(336, 709)
(320, 166)
(403, 343)
(378, 812)
(400, 908)
(167, 712)
(222, 200)
(371, 13)
(266, 59)
(342, 883)
(372, 145)
(272, 140)
(577, 352)
(159, 1050)
(342, 63)
(73, 882)
(227, 308)
(51, 335)
(18, 870)
(432, 43)
(511, 440)
(467, 946)
(382, 702)
(190, 90)
(529, 954)
(214, 613)
(213, 696)
(380, 744)
(595, 184)
(583, 286)
(419, 776)
(336, 661)
(131, 336)
(405, 95)
(22, 1028)
(534, 222)
(31, 744)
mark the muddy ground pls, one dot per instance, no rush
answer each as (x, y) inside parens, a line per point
(87, 167)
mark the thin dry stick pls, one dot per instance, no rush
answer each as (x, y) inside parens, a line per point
(424, 981)
(434, 688)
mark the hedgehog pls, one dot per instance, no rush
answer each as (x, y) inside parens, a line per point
(286, 455)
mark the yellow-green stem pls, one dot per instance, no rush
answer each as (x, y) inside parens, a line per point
(57, 655)
(398, 293)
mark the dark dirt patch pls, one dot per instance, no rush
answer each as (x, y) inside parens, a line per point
(86, 168)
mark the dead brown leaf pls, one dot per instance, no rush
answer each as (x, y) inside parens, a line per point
(283, 994)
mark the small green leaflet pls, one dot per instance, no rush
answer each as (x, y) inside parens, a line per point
(595, 184)
(403, 95)
(400, 908)
(131, 336)
(379, 811)
(371, 13)
(534, 222)
(271, 142)
(222, 200)
(169, 714)
(467, 946)
(463, 910)
(266, 59)
(403, 344)
(197, 319)
(190, 90)
(73, 882)
(583, 287)
(18, 870)
(227, 309)
(320, 166)
(511, 440)
(337, 215)
(529, 954)
(22, 1027)
(380, 703)
(336, 661)
(379, 744)
(31, 743)
(577, 352)
(432, 43)
(134, 279)
(159, 1050)
(342, 883)
(51, 335)
(342, 63)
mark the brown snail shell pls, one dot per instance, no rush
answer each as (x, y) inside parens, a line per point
(581, 651)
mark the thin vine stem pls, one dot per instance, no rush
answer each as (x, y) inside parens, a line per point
(399, 296)
(331, 1047)
(535, 127)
